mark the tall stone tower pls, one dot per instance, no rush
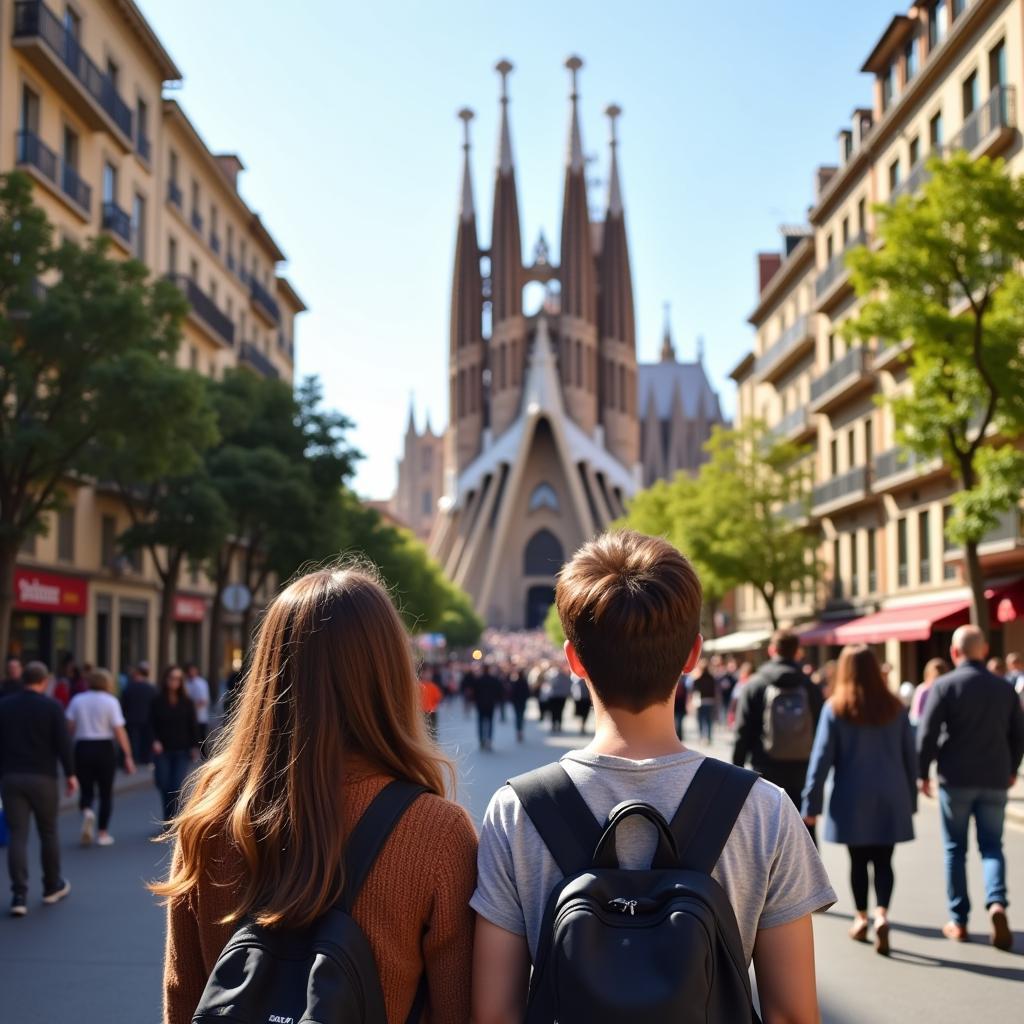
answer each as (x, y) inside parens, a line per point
(543, 444)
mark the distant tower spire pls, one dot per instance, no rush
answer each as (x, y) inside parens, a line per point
(613, 112)
(576, 161)
(466, 209)
(504, 68)
(411, 426)
(700, 348)
(668, 350)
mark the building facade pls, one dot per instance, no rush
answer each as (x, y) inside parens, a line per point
(81, 91)
(947, 76)
(420, 478)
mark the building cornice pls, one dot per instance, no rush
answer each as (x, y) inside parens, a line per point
(801, 258)
(169, 71)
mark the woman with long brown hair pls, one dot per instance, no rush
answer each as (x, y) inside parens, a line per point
(328, 715)
(864, 735)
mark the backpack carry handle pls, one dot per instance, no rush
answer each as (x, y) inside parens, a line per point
(665, 856)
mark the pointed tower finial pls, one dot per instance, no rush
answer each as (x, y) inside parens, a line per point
(466, 209)
(411, 427)
(700, 348)
(668, 350)
(504, 68)
(574, 64)
(613, 113)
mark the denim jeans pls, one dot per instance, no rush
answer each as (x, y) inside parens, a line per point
(169, 771)
(988, 807)
(485, 725)
(706, 720)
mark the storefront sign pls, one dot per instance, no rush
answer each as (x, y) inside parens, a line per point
(44, 592)
(189, 609)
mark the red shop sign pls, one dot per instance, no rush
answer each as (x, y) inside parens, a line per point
(45, 592)
(189, 609)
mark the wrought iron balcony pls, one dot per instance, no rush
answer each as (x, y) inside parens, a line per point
(792, 424)
(984, 126)
(143, 147)
(792, 339)
(851, 486)
(896, 462)
(34, 22)
(75, 188)
(117, 222)
(835, 270)
(206, 309)
(33, 152)
(914, 181)
(174, 194)
(264, 302)
(842, 374)
(794, 511)
(197, 221)
(249, 355)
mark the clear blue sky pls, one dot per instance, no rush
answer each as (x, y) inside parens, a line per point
(344, 114)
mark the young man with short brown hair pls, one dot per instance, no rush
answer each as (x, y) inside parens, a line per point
(630, 607)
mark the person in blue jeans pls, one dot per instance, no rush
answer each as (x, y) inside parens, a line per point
(973, 726)
(176, 738)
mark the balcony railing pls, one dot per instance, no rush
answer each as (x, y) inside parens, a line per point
(204, 307)
(896, 460)
(252, 357)
(798, 331)
(853, 364)
(143, 147)
(842, 486)
(215, 243)
(794, 511)
(33, 152)
(117, 222)
(992, 117)
(75, 188)
(197, 221)
(231, 261)
(263, 299)
(35, 19)
(174, 194)
(835, 269)
(791, 423)
(917, 177)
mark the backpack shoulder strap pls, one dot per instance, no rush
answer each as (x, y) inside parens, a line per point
(708, 812)
(561, 816)
(371, 833)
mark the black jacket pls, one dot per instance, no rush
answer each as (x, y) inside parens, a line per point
(33, 735)
(136, 702)
(174, 725)
(750, 711)
(973, 725)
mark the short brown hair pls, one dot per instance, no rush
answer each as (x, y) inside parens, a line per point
(100, 679)
(785, 643)
(630, 606)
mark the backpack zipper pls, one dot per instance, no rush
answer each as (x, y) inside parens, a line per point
(624, 906)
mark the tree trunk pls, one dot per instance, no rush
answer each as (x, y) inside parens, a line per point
(8, 558)
(770, 601)
(166, 624)
(976, 581)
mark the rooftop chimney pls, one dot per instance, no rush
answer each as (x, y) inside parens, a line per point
(768, 264)
(822, 176)
(845, 145)
(862, 122)
(230, 165)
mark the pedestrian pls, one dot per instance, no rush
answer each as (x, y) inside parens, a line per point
(198, 690)
(12, 678)
(519, 694)
(932, 670)
(559, 692)
(864, 737)
(680, 705)
(1015, 673)
(725, 672)
(329, 718)
(430, 700)
(630, 607)
(705, 697)
(33, 740)
(997, 666)
(776, 718)
(175, 738)
(486, 695)
(581, 702)
(96, 724)
(62, 683)
(137, 707)
(973, 726)
(744, 674)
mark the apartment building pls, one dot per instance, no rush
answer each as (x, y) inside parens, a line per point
(82, 98)
(947, 76)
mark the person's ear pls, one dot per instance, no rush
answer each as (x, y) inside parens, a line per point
(694, 655)
(573, 658)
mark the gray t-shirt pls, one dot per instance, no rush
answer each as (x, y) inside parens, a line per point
(769, 868)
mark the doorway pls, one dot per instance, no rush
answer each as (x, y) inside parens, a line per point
(538, 600)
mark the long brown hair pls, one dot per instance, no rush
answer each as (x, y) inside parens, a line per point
(859, 693)
(331, 674)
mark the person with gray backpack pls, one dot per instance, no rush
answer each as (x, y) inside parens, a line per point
(636, 880)
(776, 719)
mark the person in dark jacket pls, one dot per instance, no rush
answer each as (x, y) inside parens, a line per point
(864, 736)
(705, 695)
(487, 693)
(136, 706)
(973, 727)
(176, 738)
(33, 739)
(519, 694)
(12, 679)
(780, 758)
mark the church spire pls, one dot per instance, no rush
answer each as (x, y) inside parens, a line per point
(575, 159)
(467, 209)
(668, 350)
(506, 241)
(505, 166)
(411, 425)
(613, 112)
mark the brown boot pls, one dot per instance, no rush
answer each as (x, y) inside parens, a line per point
(859, 931)
(954, 931)
(1002, 937)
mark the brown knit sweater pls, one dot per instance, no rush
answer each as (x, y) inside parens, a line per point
(414, 909)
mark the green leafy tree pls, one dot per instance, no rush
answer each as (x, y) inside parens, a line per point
(74, 356)
(553, 627)
(947, 277)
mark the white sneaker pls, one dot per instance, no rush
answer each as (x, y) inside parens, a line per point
(58, 894)
(105, 839)
(88, 826)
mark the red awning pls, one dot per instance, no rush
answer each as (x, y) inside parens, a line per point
(822, 632)
(1007, 602)
(907, 622)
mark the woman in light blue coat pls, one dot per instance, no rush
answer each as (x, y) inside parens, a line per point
(864, 735)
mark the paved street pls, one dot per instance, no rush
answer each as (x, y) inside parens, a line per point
(97, 957)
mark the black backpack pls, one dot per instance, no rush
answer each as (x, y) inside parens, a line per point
(657, 946)
(324, 973)
(788, 733)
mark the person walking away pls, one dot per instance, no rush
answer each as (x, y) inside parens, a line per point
(33, 740)
(932, 670)
(12, 678)
(581, 702)
(561, 689)
(864, 737)
(680, 705)
(430, 700)
(175, 738)
(973, 726)
(743, 676)
(198, 690)
(705, 696)
(725, 673)
(776, 718)
(61, 691)
(137, 707)
(519, 695)
(96, 724)
(331, 695)
(487, 693)
(630, 606)
(997, 666)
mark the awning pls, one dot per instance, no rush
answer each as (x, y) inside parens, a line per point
(822, 632)
(731, 643)
(905, 622)
(1007, 601)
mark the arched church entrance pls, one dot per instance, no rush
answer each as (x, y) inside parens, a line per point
(542, 557)
(538, 600)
